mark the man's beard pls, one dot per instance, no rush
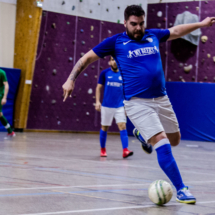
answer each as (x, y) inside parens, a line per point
(131, 35)
(115, 69)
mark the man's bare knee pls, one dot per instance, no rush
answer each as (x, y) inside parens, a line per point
(105, 128)
(157, 137)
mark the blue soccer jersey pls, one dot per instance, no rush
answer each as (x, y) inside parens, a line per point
(139, 62)
(113, 94)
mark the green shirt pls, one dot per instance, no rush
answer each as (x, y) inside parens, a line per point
(3, 78)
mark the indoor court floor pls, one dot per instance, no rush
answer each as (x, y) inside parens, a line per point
(62, 173)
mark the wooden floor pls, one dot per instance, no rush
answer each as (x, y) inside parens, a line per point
(50, 173)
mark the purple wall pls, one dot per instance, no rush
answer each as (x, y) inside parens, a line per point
(57, 45)
(180, 51)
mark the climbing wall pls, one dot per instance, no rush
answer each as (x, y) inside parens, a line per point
(63, 40)
(179, 54)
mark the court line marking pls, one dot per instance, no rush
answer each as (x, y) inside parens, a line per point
(97, 162)
(92, 186)
(109, 209)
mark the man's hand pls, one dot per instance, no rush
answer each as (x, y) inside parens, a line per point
(3, 101)
(68, 87)
(209, 21)
(98, 106)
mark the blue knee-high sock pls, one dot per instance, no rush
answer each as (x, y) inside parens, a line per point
(103, 137)
(124, 138)
(168, 164)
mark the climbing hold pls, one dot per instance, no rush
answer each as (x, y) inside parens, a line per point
(90, 91)
(70, 59)
(98, 3)
(95, 76)
(214, 59)
(188, 68)
(206, 2)
(63, 2)
(193, 77)
(208, 55)
(93, 67)
(82, 30)
(205, 78)
(203, 60)
(80, 0)
(73, 41)
(53, 25)
(118, 21)
(58, 122)
(77, 120)
(54, 72)
(47, 88)
(79, 19)
(44, 44)
(85, 74)
(170, 24)
(164, 19)
(36, 85)
(91, 36)
(68, 23)
(107, 9)
(73, 7)
(204, 39)
(91, 11)
(91, 27)
(181, 64)
(53, 101)
(118, 7)
(109, 31)
(158, 25)
(197, 8)
(30, 16)
(83, 42)
(186, 7)
(42, 101)
(159, 13)
(74, 104)
(87, 113)
(169, 79)
(101, 67)
(102, 23)
(49, 58)
(46, 33)
(82, 54)
(46, 116)
(174, 71)
(65, 49)
(172, 61)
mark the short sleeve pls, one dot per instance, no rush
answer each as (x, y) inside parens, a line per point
(102, 78)
(3, 75)
(162, 35)
(106, 47)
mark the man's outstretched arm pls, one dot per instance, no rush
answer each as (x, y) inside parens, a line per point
(79, 67)
(181, 30)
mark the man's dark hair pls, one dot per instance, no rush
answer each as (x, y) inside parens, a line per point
(135, 10)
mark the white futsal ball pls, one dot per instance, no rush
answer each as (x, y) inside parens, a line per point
(160, 192)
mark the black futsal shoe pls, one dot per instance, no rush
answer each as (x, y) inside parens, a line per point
(145, 146)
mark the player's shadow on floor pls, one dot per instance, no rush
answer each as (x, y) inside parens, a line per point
(183, 50)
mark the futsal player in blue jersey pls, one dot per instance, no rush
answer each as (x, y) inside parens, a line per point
(112, 106)
(137, 55)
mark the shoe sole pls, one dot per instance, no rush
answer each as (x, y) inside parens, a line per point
(130, 154)
(141, 143)
(186, 201)
(103, 156)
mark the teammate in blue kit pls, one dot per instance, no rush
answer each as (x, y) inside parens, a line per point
(137, 55)
(112, 106)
